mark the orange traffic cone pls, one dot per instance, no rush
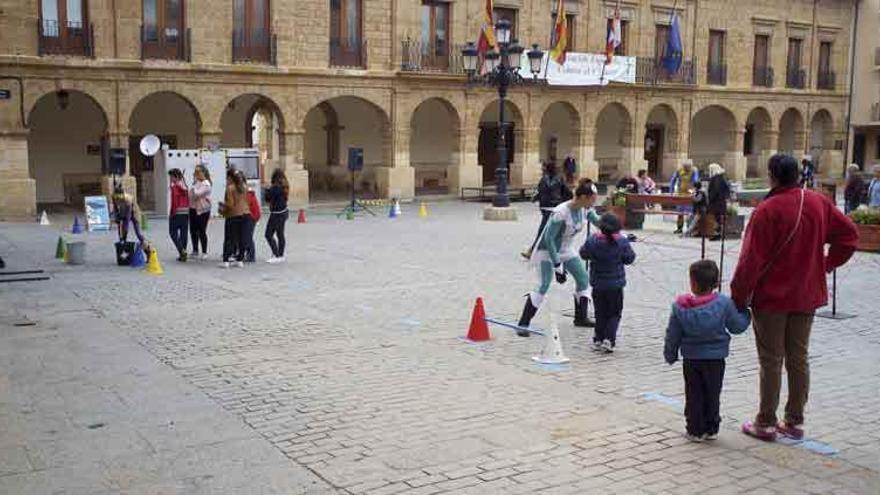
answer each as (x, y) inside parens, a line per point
(302, 216)
(479, 329)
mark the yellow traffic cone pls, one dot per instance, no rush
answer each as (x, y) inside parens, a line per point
(423, 210)
(153, 265)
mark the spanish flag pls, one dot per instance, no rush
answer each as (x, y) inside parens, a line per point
(487, 35)
(560, 35)
(613, 39)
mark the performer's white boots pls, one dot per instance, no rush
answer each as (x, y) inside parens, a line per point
(533, 302)
(582, 310)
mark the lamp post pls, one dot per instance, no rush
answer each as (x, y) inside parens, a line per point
(502, 71)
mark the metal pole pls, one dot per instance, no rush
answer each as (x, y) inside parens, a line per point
(501, 200)
(723, 236)
(834, 293)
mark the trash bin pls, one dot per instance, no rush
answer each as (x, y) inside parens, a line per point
(76, 253)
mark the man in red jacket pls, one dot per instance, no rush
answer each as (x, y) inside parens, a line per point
(782, 274)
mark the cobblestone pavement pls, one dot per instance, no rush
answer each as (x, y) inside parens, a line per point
(343, 371)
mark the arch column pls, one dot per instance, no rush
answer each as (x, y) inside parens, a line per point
(736, 163)
(587, 165)
(209, 138)
(293, 163)
(397, 179)
(764, 156)
(19, 198)
(527, 170)
(465, 171)
(635, 154)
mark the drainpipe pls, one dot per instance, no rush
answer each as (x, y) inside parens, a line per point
(810, 78)
(115, 30)
(852, 72)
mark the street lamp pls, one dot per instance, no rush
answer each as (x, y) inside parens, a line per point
(502, 69)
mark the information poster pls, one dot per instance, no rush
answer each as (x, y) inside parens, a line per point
(97, 213)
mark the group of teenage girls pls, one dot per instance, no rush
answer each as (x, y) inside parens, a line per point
(599, 262)
(191, 210)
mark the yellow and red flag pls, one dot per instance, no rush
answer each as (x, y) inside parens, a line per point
(560, 35)
(487, 34)
(613, 39)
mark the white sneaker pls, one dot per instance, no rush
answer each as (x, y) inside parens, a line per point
(272, 260)
(225, 264)
(607, 347)
(693, 438)
(239, 264)
(281, 259)
(204, 257)
(597, 346)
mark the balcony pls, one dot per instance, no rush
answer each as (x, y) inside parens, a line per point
(716, 74)
(796, 79)
(415, 57)
(165, 44)
(70, 38)
(348, 54)
(762, 77)
(826, 80)
(651, 71)
(259, 46)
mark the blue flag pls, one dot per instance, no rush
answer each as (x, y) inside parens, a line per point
(672, 58)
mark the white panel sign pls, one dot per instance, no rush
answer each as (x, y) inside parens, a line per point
(585, 69)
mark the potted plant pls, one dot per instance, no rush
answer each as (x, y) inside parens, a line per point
(735, 223)
(616, 204)
(868, 222)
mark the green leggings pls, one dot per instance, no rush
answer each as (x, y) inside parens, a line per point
(575, 266)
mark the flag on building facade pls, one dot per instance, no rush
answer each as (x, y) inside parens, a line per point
(613, 40)
(673, 56)
(560, 35)
(487, 35)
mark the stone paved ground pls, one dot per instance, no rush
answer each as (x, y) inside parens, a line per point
(342, 371)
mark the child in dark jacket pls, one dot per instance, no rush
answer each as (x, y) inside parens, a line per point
(606, 253)
(698, 327)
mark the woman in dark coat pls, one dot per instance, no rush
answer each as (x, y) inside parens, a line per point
(552, 191)
(719, 194)
(854, 194)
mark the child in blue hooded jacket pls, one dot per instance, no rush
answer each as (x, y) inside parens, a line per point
(698, 328)
(607, 253)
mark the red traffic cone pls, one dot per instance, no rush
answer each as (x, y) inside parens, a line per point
(302, 216)
(479, 330)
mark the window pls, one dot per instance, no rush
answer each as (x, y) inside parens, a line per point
(435, 34)
(661, 38)
(162, 32)
(64, 27)
(794, 76)
(825, 74)
(509, 14)
(624, 31)
(762, 73)
(569, 31)
(717, 68)
(251, 32)
(346, 41)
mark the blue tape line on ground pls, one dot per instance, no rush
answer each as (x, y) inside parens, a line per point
(512, 326)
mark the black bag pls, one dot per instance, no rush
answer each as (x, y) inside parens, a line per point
(124, 253)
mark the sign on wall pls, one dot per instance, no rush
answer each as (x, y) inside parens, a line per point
(5, 94)
(585, 69)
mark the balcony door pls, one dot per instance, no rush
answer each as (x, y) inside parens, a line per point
(346, 40)
(163, 29)
(435, 34)
(64, 26)
(251, 32)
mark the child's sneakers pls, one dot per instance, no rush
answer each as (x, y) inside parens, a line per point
(710, 437)
(767, 434)
(795, 432)
(597, 346)
(607, 346)
(694, 438)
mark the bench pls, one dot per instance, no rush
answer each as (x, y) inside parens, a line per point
(486, 193)
(670, 204)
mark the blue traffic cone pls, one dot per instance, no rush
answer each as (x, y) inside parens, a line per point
(77, 227)
(138, 258)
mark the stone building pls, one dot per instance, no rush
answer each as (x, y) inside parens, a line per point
(303, 80)
(865, 134)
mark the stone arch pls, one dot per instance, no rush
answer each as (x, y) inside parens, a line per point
(713, 138)
(254, 120)
(758, 143)
(822, 140)
(434, 144)
(333, 126)
(613, 141)
(791, 132)
(661, 141)
(487, 154)
(67, 143)
(173, 118)
(560, 133)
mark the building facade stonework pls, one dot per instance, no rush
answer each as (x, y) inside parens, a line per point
(304, 80)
